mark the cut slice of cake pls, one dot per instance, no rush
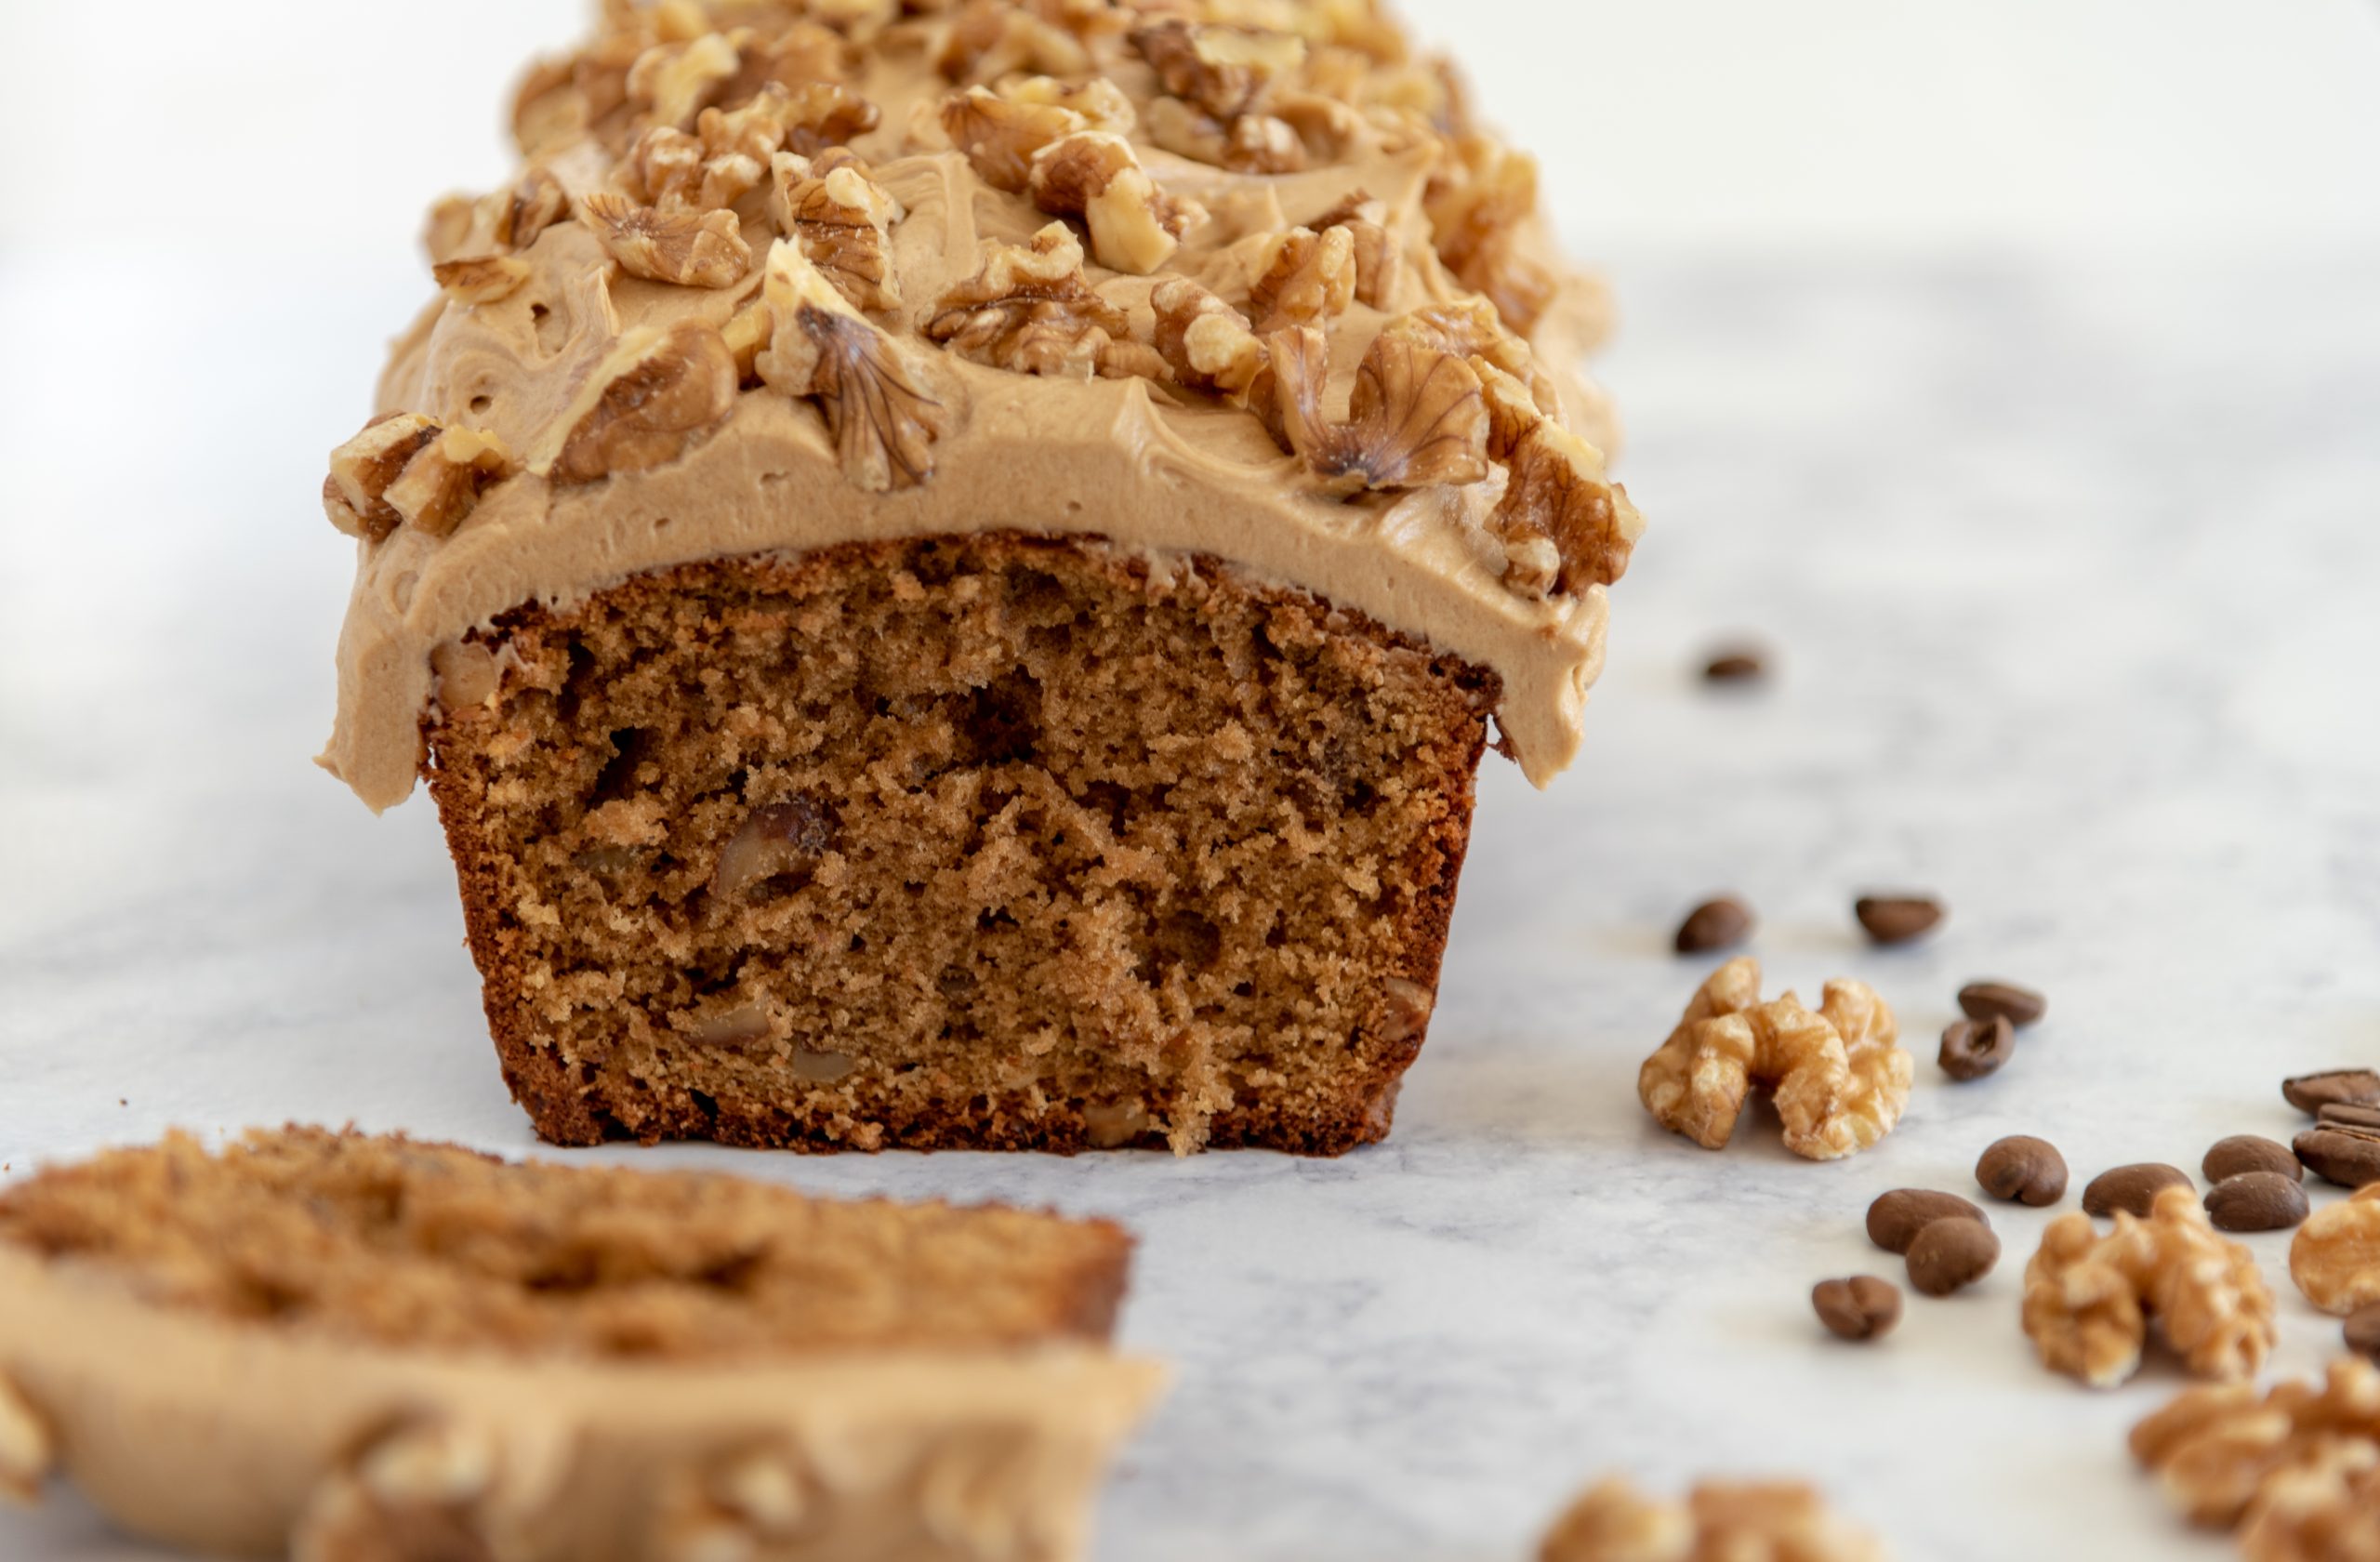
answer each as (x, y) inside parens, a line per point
(359, 1347)
(950, 574)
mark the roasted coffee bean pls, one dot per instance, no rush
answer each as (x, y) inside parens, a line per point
(2249, 1152)
(1951, 1253)
(2362, 1330)
(2352, 1087)
(2132, 1188)
(2338, 1153)
(2342, 1114)
(1736, 664)
(1895, 1218)
(1896, 918)
(2023, 1168)
(2256, 1201)
(1715, 925)
(1972, 1049)
(2002, 1001)
(1862, 1307)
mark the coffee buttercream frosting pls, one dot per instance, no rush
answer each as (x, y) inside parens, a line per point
(1230, 278)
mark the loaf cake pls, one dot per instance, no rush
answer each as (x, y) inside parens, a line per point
(366, 1349)
(949, 568)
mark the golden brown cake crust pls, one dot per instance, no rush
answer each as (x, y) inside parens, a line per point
(1210, 888)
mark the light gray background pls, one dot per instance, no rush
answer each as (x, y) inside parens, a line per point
(2013, 370)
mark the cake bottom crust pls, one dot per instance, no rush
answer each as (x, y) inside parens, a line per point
(998, 842)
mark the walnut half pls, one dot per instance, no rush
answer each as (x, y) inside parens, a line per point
(883, 424)
(1415, 418)
(1840, 1076)
(692, 249)
(2293, 1469)
(843, 220)
(2089, 1299)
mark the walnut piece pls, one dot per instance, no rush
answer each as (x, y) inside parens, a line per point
(1377, 262)
(1479, 203)
(1719, 1521)
(1222, 71)
(1555, 494)
(2334, 1258)
(2326, 1512)
(656, 395)
(1002, 136)
(1203, 340)
(27, 1451)
(1302, 277)
(1252, 143)
(843, 220)
(2225, 1453)
(673, 81)
(2089, 1300)
(1031, 310)
(354, 493)
(1135, 226)
(1840, 1076)
(692, 249)
(441, 486)
(992, 39)
(1415, 418)
(882, 423)
(479, 279)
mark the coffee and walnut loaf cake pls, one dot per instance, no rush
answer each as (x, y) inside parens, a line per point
(359, 1349)
(949, 568)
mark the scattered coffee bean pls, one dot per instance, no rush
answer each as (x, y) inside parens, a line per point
(1715, 925)
(2341, 1154)
(1951, 1253)
(2002, 1001)
(1736, 664)
(2023, 1168)
(2132, 1188)
(2363, 1330)
(2256, 1201)
(2352, 1087)
(2249, 1152)
(1862, 1307)
(1895, 1218)
(1972, 1049)
(1896, 918)
(2343, 1114)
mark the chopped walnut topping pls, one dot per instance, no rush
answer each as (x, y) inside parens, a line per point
(643, 406)
(1100, 101)
(1135, 226)
(481, 279)
(537, 201)
(354, 494)
(990, 39)
(1614, 1522)
(730, 153)
(673, 81)
(1377, 266)
(883, 425)
(1222, 70)
(1001, 137)
(442, 483)
(415, 1491)
(1207, 344)
(2334, 1258)
(1840, 1075)
(2089, 1300)
(1252, 143)
(1477, 204)
(705, 250)
(2223, 1452)
(823, 114)
(1031, 310)
(801, 55)
(1302, 278)
(1415, 418)
(1471, 327)
(1555, 492)
(843, 220)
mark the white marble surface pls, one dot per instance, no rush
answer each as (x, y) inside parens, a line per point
(2072, 573)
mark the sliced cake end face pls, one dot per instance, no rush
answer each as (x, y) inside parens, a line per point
(388, 1241)
(994, 841)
